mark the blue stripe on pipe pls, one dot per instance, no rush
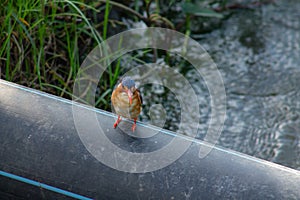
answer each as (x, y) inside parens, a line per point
(42, 185)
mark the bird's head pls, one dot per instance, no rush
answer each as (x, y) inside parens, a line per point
(128, 86)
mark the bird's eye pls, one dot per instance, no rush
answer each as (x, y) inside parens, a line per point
(124, 88)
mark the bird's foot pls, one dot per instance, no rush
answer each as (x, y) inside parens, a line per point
(133, 126)
(117, 122)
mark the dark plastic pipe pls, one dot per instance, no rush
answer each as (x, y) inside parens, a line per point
(42, 157)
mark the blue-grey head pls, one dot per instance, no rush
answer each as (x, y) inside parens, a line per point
(128, 86)
(128, 82)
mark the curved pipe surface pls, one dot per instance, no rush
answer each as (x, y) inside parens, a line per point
(39, 143)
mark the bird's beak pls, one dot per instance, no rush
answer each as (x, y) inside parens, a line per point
(129, 93)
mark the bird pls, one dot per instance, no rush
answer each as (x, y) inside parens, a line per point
(126, 101)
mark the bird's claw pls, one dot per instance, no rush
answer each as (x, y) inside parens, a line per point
(117, 122)
(133, 127)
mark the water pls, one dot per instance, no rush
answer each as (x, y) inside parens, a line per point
(257, 53)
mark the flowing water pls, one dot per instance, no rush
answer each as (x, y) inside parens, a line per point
(258, 54)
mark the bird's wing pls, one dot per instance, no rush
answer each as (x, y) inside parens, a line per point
(140, 96)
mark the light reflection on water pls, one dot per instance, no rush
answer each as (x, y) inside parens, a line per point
(257, 53)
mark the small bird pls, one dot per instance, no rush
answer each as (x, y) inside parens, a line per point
(127, 101)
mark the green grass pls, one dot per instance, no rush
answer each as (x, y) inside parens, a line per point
(43, 43)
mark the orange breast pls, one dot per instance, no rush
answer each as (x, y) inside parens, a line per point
(121, 104)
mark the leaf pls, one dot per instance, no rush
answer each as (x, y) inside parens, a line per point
(147, 1)
(190, 8)
(24, 21)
